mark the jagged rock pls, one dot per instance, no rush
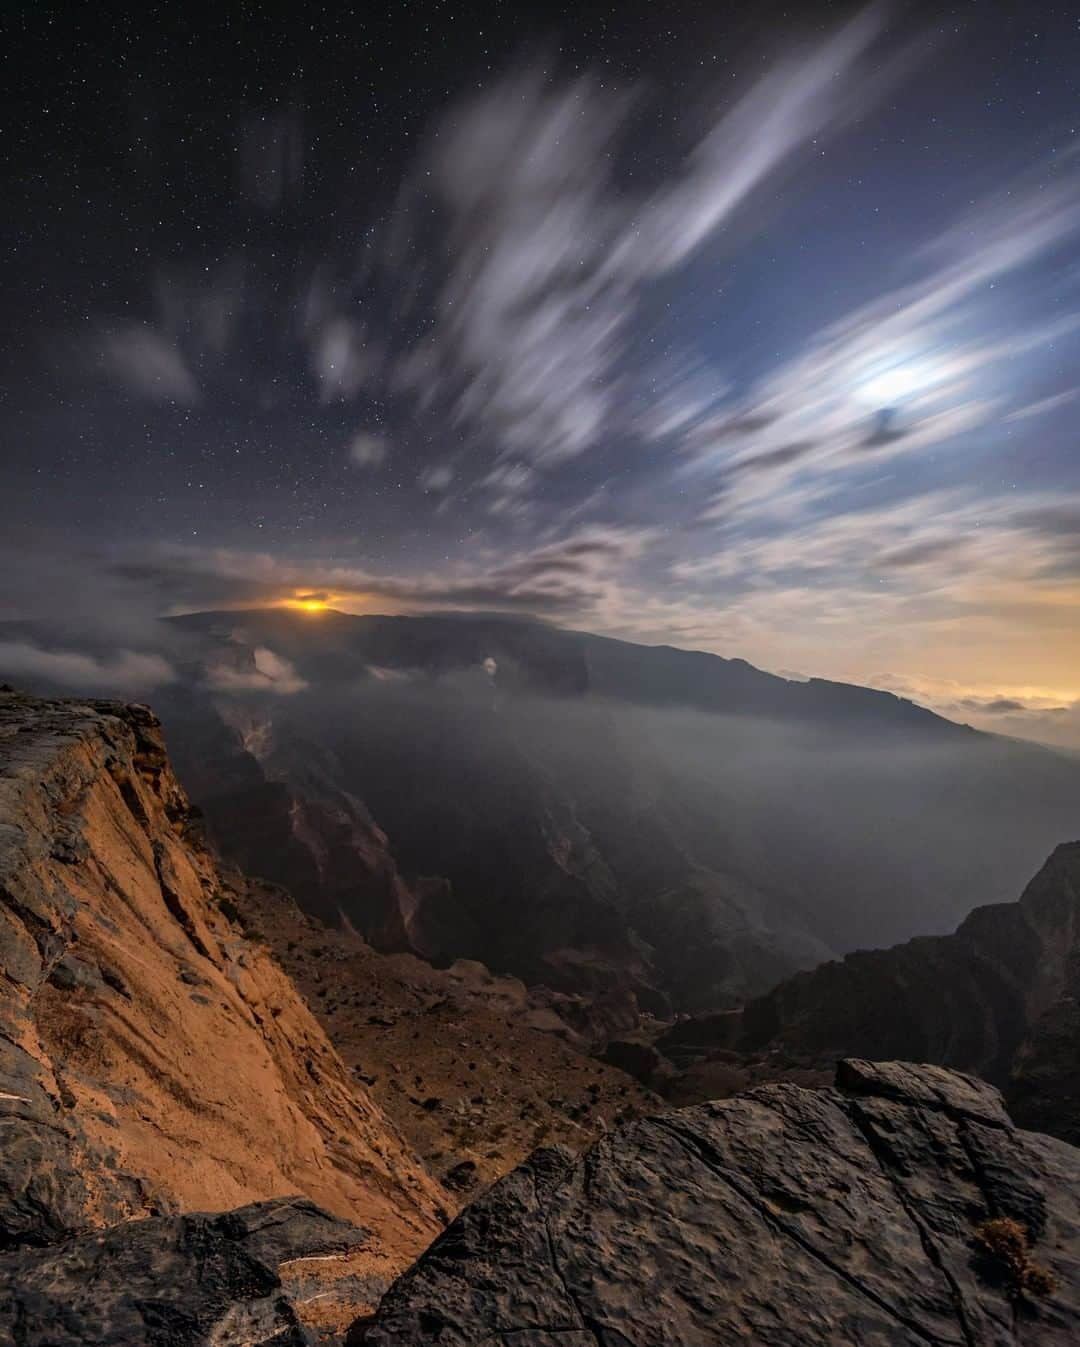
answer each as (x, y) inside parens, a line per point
(181, 1281)
(461, 1177)
(846, 1217)
(638, 1059)
(998, 998)
(930, 1086)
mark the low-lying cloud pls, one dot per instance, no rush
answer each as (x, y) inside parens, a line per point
(269, 672)
(125, 671)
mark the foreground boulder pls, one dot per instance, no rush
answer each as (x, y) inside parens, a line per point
(900, 1207)
(231, 1279)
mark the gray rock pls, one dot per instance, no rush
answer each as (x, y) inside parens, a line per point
(182, 1281)
(787, 1217)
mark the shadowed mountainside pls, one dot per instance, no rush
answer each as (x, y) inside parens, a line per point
(590, 815)
(997, 998)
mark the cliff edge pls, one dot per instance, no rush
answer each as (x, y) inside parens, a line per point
(154, 1059)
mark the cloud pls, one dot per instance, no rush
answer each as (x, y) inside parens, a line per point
(147, 363)
(899, 375)
(123, 672)
(575, 572)
(436, 477)
(340, 359)
(367, 450)
(545, 256)
(1023, 712)
(205, 337)
(268, 673)
(1044, 405)
(788, 107)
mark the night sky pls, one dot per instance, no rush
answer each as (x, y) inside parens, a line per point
(750, 329)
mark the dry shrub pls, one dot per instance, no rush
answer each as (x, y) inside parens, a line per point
(1008, 1244)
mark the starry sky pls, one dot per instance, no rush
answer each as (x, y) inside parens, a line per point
(751, 329)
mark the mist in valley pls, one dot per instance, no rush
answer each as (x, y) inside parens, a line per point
(704, 855)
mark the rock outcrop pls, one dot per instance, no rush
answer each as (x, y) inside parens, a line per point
(901, 1207)
(998, 998)
(242, 1278)
(153, 1057)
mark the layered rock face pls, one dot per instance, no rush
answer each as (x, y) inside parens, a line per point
(153, 1056)
(866, 1215)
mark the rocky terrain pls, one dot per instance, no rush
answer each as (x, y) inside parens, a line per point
(997, 998)
(901, 1207)
(281, 1273)
(154, 1058)
(205, 1145)
(475, 1071)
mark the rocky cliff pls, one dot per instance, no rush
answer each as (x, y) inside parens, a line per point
(901, 1207)
(153, 1056)
(185, 1161)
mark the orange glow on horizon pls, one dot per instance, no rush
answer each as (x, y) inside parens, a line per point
(304, 604)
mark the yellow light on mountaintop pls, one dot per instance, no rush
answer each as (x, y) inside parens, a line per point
(305, 603)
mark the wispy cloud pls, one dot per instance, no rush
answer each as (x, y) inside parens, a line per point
(149, 364)
(546, 255)
(898, 375)
(367, 450)
(1021, 711)
(268, 672)
(573, 573)
(1043, 406)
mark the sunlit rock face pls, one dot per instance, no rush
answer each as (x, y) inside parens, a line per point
(154, 1057)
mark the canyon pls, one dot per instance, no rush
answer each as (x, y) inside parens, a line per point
(230, 1119)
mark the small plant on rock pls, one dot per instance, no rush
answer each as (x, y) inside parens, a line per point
(1007, 1243)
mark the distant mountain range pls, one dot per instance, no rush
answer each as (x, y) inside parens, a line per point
(328, 646)
(625, 824)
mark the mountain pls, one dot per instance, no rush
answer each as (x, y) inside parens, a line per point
(202, 1142)
(900, 1207)
(188, 1160)
(603, 819)
(998, 998)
